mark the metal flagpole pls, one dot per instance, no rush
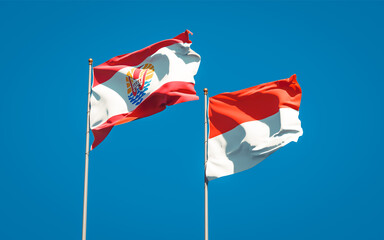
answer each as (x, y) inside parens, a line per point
(87, 156)
(205, 164)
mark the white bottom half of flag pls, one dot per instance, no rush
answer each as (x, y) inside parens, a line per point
(251, 142)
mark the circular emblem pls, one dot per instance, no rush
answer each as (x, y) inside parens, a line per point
(138, 80)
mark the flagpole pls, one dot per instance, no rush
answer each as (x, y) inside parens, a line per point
(205, 165)
(87, 156)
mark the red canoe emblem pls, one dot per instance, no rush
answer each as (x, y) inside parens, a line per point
(137, 77)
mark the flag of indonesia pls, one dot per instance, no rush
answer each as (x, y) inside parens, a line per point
(142, 83)
(247, 126)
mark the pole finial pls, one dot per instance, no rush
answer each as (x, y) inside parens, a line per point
(90, 61)
(205, 91)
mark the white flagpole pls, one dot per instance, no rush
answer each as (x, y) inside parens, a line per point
(87, 156)
(205, 164)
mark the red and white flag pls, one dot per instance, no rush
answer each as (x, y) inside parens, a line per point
(142, 83)
(247, 126)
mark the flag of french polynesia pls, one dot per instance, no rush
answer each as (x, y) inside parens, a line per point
(247, 126)
(142, 83)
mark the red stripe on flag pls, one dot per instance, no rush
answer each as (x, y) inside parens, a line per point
(105, 71)
(228, 110)
(169, 94)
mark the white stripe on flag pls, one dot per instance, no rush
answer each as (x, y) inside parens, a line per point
(251, 142)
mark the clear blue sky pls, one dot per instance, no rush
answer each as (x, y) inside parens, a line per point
(146, 178)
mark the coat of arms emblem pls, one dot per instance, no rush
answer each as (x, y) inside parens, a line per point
(138, 80)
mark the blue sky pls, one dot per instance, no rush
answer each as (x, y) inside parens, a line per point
(146, 178)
